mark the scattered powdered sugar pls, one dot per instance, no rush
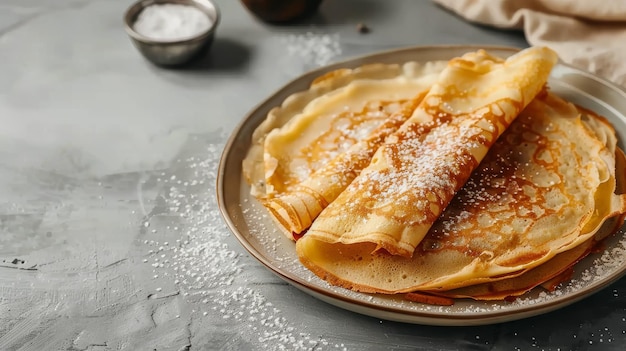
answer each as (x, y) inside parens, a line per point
(612, 259)
(313, 49)
(208, 272)
(205, 270)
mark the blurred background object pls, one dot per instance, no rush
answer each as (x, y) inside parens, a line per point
(277, 11)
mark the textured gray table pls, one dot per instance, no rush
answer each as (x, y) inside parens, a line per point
(110, 236)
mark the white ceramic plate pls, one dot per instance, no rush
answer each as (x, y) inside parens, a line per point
(258, 234)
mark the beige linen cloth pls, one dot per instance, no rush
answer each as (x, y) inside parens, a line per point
(587, 34)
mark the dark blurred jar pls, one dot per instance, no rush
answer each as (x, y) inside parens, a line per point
(277, 11)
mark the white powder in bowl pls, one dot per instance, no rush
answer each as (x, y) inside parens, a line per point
(171, 22)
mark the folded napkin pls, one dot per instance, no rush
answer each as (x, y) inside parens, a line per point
(587, 34)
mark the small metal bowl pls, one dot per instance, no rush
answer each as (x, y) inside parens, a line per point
(172, 52)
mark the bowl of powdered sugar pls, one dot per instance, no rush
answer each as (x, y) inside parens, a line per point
(171, 32)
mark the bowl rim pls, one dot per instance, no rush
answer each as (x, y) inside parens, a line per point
(135, 8)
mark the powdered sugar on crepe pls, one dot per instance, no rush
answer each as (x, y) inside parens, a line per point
(422, 167)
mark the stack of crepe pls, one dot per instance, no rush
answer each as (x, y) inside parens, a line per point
(465, 178)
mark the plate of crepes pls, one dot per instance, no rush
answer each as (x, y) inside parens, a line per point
(435, 185)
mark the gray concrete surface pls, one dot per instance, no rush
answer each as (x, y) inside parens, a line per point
(110, 235)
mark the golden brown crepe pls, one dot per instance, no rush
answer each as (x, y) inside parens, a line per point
(546, 187)
(504, 289)
(548, 275)
(309, 149)
(415, 173)
(352, 146)
(560, 268)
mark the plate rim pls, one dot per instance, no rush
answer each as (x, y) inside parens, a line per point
(370, 309)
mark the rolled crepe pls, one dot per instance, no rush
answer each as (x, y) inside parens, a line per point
(296, 209)
(414, 175)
